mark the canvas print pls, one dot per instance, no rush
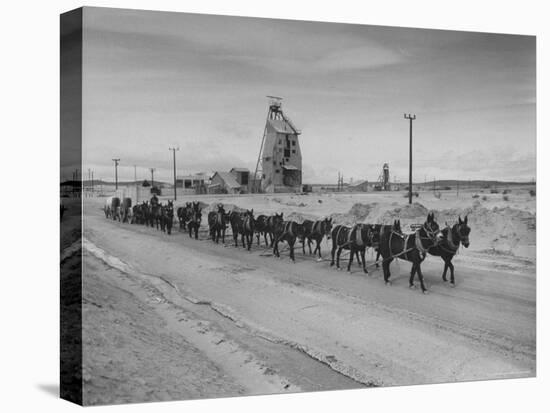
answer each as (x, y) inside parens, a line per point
(260, 206)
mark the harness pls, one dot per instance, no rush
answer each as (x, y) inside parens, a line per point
(453, 248)
(288, 228)
(358, 235)
(338, 233)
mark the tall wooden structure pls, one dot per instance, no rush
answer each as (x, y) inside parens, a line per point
(279, 164)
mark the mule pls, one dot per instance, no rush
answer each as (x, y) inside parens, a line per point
(184, 214)
(271, 224)
(217, 224)
(242, 223)
(380, 230)
(356, 239)
(411, 247)
(195, 219)
(261, 228)
(453, 236)
(168, 217)
(316, 231)
(287, 231)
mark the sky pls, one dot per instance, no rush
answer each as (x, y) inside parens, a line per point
(154, 80)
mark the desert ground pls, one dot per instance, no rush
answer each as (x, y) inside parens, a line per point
(169, 317)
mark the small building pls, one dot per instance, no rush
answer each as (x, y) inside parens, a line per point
(224, 183)
(192, 184)
(359, 186)
(242, 176)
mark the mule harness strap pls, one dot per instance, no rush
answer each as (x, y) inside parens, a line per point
(358, 235)
(288, 228)
(405, 246)
(418, 243)
(338, 234)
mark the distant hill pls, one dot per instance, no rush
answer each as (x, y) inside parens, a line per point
(446, 182)
(475, 183)
(120, 183)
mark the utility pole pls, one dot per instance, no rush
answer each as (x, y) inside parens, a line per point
(174, 153)
(92, 183)
(457, 183)
(152, 177)
(116, 161)
(410, 118)
(136, 184)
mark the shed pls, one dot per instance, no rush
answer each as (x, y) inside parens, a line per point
(224, 182)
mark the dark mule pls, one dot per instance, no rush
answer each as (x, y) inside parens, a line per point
(381, 230)
(453, 236)
(194, 219)
(217, 224)
(184, 214)
(316, 231)
(287, 231)
(261, 228)
(168, 217)
(411, 247)
(356, 239)
(138, 213)
(272, 223)
(242, 223)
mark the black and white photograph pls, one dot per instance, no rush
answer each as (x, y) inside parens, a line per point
(276, 206)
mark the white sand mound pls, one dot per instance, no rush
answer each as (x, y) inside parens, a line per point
(495, 230)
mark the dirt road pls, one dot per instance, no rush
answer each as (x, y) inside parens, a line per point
(267, 325)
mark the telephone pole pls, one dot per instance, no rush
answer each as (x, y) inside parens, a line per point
(174, 153)
(152, 177)
(136, 184)
(116, 161)
(410, 118)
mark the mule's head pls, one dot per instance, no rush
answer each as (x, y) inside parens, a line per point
(396, 227)
(463, 231)
(432, 229)
(328, 227)
(277, 218)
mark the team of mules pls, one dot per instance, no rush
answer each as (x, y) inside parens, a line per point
(149, 213)
(388, 241)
